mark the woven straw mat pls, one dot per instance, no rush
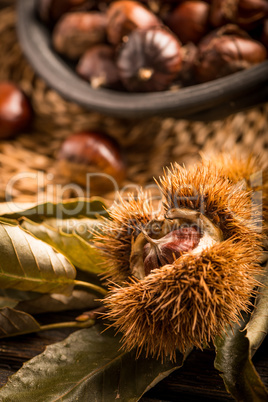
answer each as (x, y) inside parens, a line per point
(149, 145)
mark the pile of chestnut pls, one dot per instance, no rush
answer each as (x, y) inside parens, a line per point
(157, 45)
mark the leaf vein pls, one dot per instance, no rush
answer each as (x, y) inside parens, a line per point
(91, 374)
(14, 248)
(31, 250)
(11, 322)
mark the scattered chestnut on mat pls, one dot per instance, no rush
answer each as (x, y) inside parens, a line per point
(74, 33)
(125, 16)
(93, 160)
(149, 60)
(15, 110)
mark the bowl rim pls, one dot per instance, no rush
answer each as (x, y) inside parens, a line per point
(215, 99)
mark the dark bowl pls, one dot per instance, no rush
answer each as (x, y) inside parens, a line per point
(210, 101)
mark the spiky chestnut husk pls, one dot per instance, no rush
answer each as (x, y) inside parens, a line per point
(186, 303)
(189, 302)
(128, 218)
(249, 170)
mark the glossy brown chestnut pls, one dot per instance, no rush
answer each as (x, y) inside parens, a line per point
(189, 21)
(74, 33)
(125, 16)
(149, 60)
(92, 159)
(15, 110)
(97, 65)
(221, 55)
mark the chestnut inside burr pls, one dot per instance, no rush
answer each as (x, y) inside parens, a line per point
(162, 241)
(157, 253)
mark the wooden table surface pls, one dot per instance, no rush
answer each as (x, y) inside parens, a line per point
(196, 381)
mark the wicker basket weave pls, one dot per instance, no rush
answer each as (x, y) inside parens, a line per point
(149, 144)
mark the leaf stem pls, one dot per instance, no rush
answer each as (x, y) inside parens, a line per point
(70, 324)
(93, 288)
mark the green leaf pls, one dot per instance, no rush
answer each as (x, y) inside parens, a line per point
(81, 253)
(80, 207)
(257, 327)
(64, 227)
(29, 264)
(87, 366)
(13, 322)
(238, 372)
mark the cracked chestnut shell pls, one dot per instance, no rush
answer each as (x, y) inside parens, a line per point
(74, 33)
(162, 241)
(15, 110)
(125, 16)
(149, 60)
(163, 251)
(222, 53)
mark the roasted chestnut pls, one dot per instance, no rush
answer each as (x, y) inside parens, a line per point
(125, 16)
(189, 21)
(149, 60)
(92, 159)
(74, 33)
(221, 54)
(97, 65)
(15, 110)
